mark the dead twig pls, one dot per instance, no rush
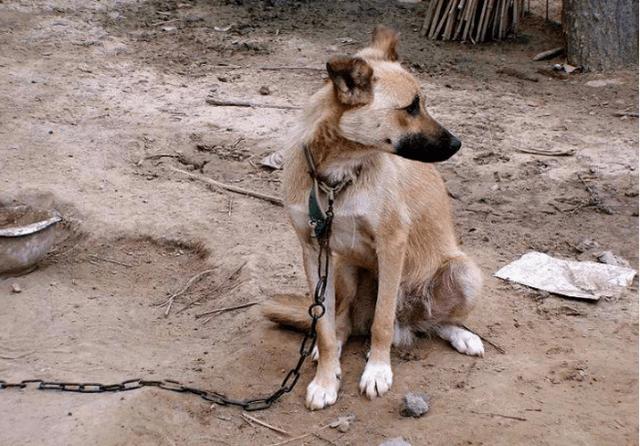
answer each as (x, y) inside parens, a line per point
(248, 417)
(104, 259)
(567, 152)
(225, 309)
(164, 22)
(172, 298)
(491, 343)
(293, 68)
(238, 190)
(11, 358)
(224, 103)
(623, 114)
(548, 54)
(492, 414)
(300, 437)
(215, 290)
(594, 197)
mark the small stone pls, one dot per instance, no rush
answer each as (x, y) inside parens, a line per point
(343, 424)
(611, 259)
(414, 405)
(397, 441)
(264, 91)
(586, 245)
(15, 288)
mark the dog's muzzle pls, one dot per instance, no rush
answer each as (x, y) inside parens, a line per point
(418, 147)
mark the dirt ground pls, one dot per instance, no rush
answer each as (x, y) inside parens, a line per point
(90, 90)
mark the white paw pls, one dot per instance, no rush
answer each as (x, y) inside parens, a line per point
(322, 393)
(376, 379)
(466, 342)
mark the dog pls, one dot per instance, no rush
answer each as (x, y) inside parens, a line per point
(396, 269)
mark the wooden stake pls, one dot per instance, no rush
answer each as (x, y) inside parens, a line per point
(434, 20)
(483, 14)
(427, 18)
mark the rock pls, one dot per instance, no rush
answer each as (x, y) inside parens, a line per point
(343, 424)
(398, 441)
(15, 288)
(586, 245)
(603, 83)
(414, 405)
(264, 91)
(611, 259)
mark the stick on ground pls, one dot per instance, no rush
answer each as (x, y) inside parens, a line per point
(224, 310)
(172, 298)
(238, 190)
(548, 54)
(567, 152)
(491, 414)
(219, 287)
(246, 416)
(223, 103)
(492, 344)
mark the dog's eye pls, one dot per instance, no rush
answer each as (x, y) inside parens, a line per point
(414, 108)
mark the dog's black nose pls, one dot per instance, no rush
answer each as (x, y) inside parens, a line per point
(455, 143)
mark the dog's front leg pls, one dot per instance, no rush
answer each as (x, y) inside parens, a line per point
(323, 390)
(377, 376)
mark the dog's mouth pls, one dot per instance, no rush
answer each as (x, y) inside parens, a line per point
(418, 147)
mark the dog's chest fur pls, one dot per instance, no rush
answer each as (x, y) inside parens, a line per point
(355, 218)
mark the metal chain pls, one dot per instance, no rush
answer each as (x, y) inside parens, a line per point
(316, 311)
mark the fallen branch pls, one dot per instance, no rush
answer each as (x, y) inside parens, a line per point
(300, 437)
(491, 414)
(110, 261)
(238, 190)
(225, 309)
(491, 343)
(567, 152)
(517, 74)
(223, 103)
(623, 114)
(292, 68)
(172, 298)
(246, 416)
(215, 290)
(548, 54)
(11, 358)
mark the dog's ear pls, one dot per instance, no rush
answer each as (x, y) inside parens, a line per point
(386, 40)
(351, 77)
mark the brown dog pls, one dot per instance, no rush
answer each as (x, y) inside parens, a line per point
(396, 267)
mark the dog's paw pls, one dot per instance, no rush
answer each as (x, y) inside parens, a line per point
(376, 379)
(462, 340)
(322, 392)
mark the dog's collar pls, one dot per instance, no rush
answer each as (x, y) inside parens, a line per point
(318, 217)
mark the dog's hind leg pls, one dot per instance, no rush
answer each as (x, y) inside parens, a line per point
(454, 290)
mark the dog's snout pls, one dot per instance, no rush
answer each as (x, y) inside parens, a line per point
(455, 143)
(419, 147)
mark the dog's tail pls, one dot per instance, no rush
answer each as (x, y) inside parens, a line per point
(289, 310)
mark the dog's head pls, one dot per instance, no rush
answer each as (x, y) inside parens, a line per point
(383, 106)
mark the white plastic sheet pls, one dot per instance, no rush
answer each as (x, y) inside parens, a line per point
(584, 280)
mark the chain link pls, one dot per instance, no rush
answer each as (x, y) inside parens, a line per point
(316, 311)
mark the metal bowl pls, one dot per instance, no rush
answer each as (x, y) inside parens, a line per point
(26, 235)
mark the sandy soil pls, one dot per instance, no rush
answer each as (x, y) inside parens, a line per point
(89, 89)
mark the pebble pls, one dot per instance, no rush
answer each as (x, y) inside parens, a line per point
(343, 424)
(398, 441)
(15, 288)
(264, 90)
(611, 259)
(414, 405)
